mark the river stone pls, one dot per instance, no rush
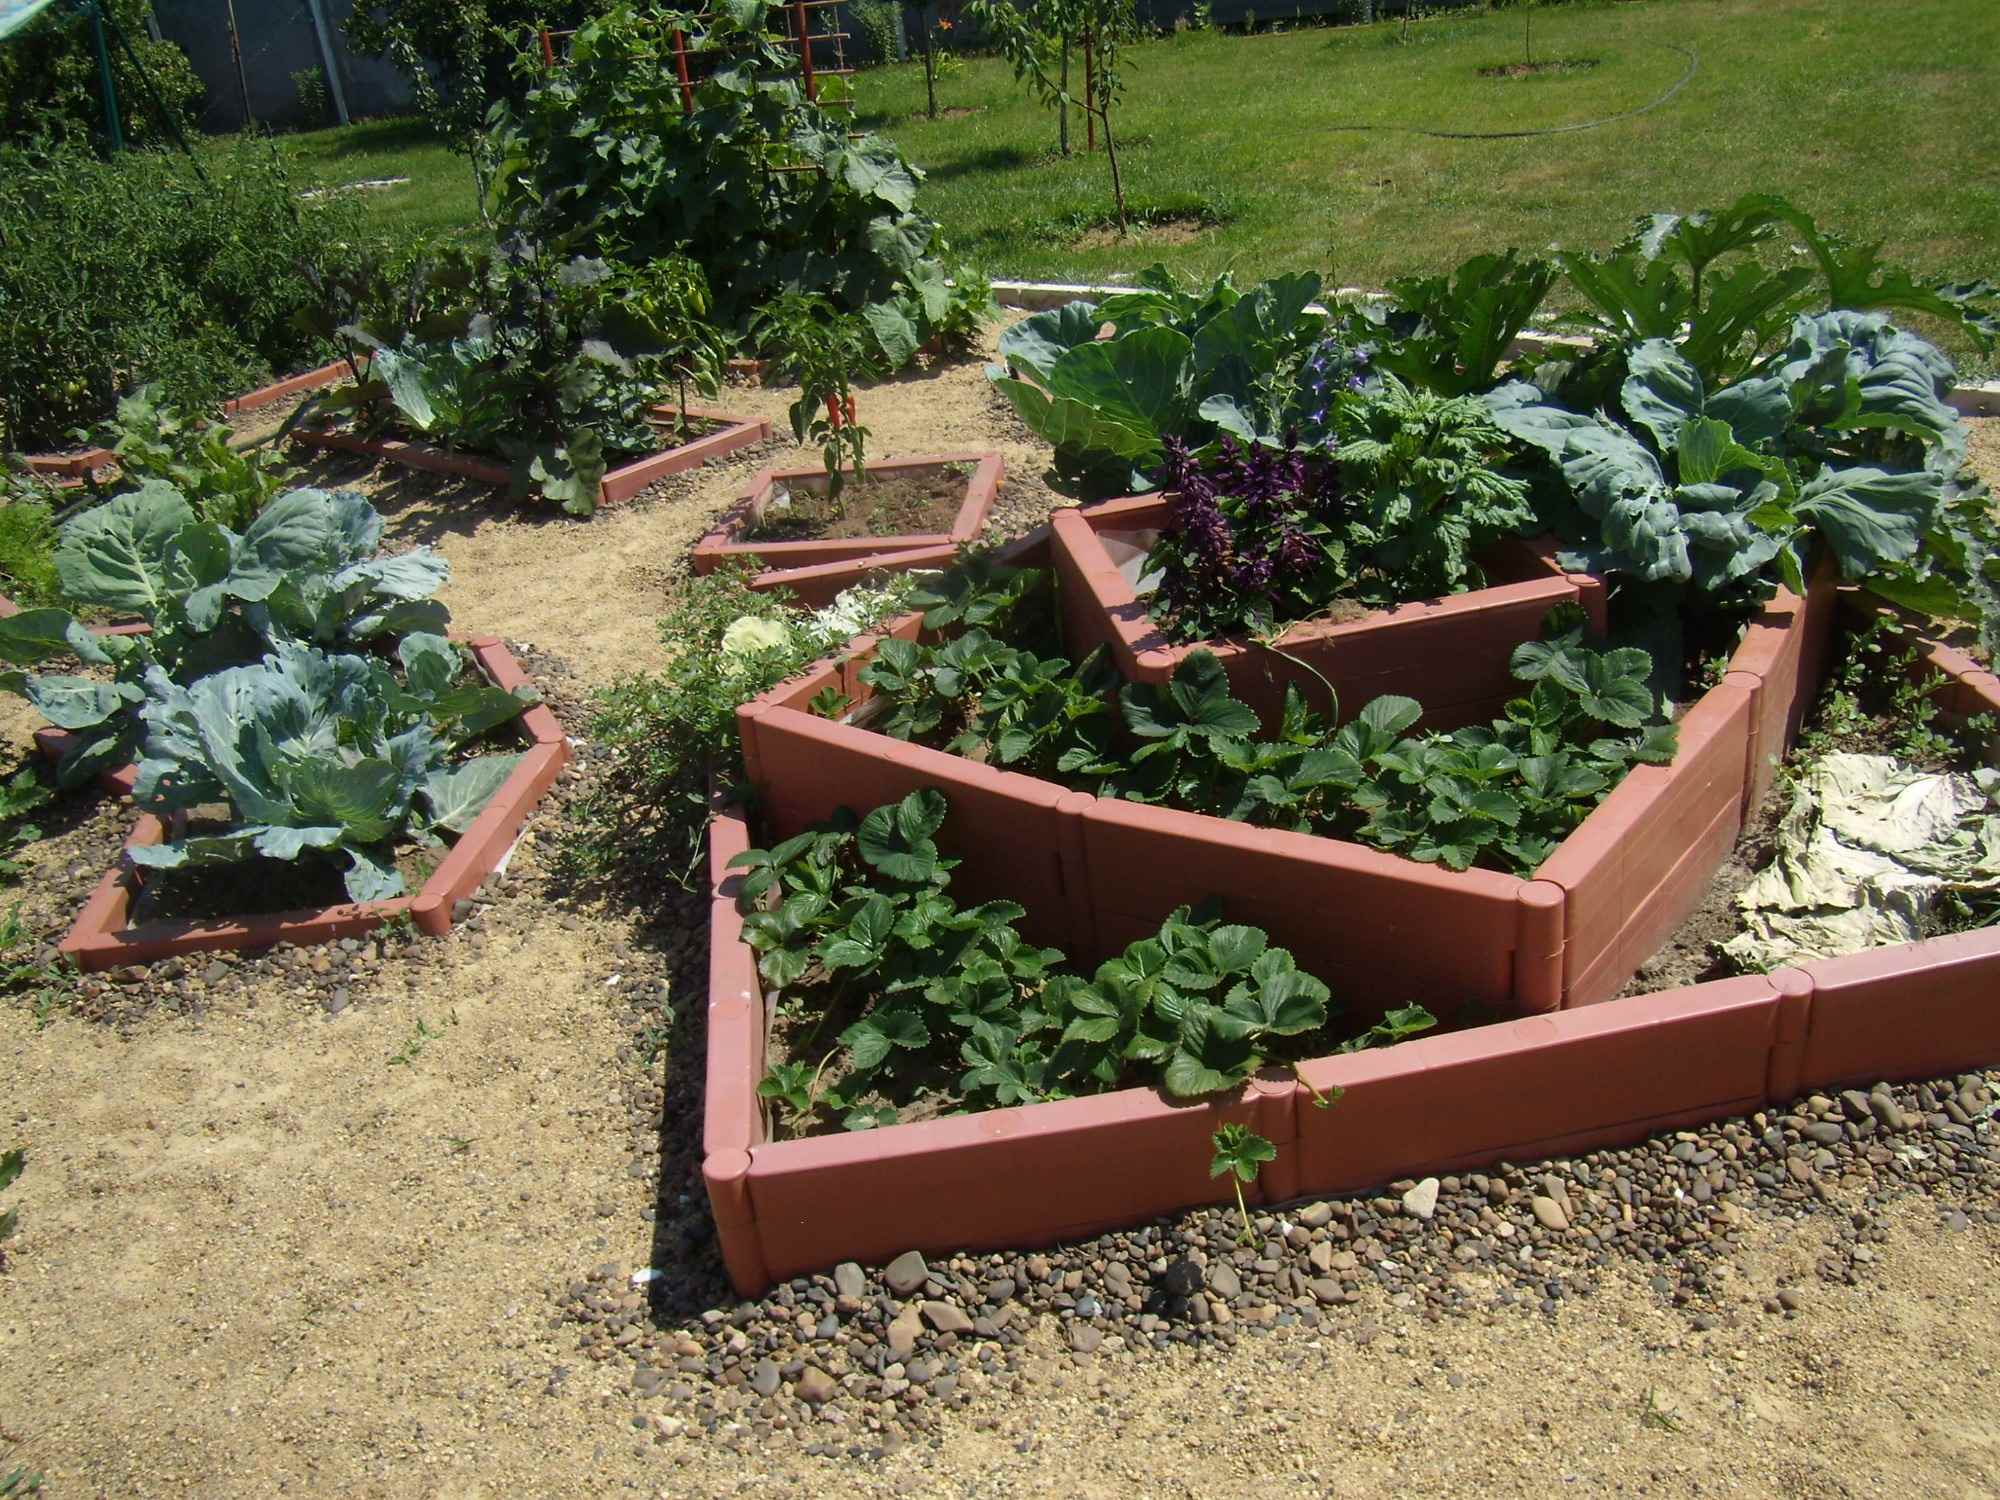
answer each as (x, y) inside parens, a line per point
(1223, 1280)
(904, 1331)
(1421, 1201)
(946, 1319)
(816, 1387)
(849, 1280)
(1549, 1212)
(906, 1273)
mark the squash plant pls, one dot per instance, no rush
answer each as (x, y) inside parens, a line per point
(759, 185)
(854, 917)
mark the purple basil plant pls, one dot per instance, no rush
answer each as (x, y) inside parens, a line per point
(1252, 539)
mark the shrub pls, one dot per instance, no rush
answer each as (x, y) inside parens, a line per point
(49, 87)
(875, 27)
(114, 273)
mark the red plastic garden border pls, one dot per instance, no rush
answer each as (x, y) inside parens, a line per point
(99, 938)
(293, 385)
(1574, 1080)
(618, 485)
(1575, 933)
(818, 570)
(1449, 653)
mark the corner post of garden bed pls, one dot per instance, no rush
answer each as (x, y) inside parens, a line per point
(1538, 948)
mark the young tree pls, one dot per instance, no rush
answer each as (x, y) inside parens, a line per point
(920, 16)
(1037, 41)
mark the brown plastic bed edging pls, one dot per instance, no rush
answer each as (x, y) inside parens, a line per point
(1630, 873)
(1450, 653)
(99, 938)
(1566, 1082)
(816, 570)
(618, 485)
(294, 385)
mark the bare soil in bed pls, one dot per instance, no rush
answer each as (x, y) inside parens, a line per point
(926, 502)
(258, 1257)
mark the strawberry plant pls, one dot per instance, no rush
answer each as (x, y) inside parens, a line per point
(1501, 795)
(854, 918)
(1240, 1153)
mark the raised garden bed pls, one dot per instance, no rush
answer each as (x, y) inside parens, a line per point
(1543, 1085)
(817, 568)
(732, 434)
(1573, 1080)
(1617, 886)
(101, 937)
(1450, 654)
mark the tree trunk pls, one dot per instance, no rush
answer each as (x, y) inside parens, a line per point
(930, 69)
(1111, 155)
(1062, 104)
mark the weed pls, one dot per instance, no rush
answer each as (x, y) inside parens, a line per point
(1653, 1415)
(47, 987)
(459, 1145)
(652, 1042)
(19, 795)
(419, 1039)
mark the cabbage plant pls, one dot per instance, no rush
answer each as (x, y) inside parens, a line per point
(323, 752)
(305, 571)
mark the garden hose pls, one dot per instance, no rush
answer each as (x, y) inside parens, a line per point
(1693, 63)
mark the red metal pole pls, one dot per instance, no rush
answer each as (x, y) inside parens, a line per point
(1089, 95)
(805, 48)
(548, 49)
(681, 67)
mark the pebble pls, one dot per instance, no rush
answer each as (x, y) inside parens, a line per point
(849, 1280)
(1549, 1212)
(1421, 1201)
(816, 1387)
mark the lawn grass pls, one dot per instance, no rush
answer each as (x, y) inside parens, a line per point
(1871, 116)
(438, 199)
(1868, 115)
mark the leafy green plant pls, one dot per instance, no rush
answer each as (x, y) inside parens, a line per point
(671, 735)
(1240, 1153)
(760, 186)
(154, 441)
(20, 794)
(552, 363)
(1449, 335)
(855, 917)
(1191, 365)
(304, 572)
(1424, 467)
(1503, 794)
(320, 753)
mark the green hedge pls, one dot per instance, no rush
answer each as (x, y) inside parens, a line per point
(113, 273)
